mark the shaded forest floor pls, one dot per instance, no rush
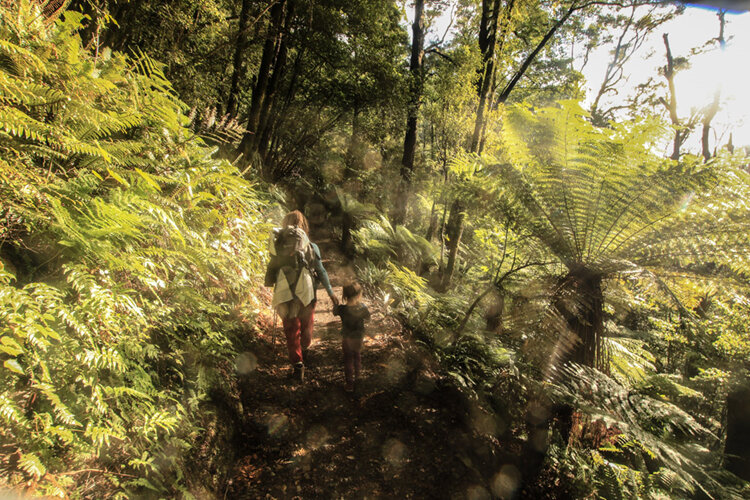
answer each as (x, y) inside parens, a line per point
(397, 436)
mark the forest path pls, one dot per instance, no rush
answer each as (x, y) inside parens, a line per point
(392, 438)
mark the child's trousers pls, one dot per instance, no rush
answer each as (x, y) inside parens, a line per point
(352, 358)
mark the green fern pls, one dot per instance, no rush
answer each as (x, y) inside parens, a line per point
(379, 241)
(668, 434)
(140, 227)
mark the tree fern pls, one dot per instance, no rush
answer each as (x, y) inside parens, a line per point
(604, 205)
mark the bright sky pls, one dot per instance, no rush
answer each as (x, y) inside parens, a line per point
(695, 86)
(728, 71)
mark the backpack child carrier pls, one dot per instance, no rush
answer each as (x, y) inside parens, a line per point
(291, 269)
(293, 251)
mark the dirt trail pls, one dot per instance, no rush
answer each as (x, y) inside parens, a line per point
(394, 438)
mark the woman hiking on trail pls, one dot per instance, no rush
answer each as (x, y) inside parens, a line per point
(296, 271)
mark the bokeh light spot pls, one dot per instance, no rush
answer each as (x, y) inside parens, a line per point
(506, 482)
(246, 363)
(476, 492)
(394, 452)
(316, 437)
(277, 424)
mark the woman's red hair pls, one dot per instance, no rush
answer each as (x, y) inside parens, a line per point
(296, 219)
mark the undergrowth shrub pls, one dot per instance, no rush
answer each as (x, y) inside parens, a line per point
(128, 259)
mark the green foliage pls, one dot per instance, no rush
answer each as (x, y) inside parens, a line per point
(674, 451)
(566, 199)
(193, 39)
(602, 205)
(629, 358)
(380, 241)
(474, 363)
(729, 328)
(127, 256)
(408, 291)
(596, 197)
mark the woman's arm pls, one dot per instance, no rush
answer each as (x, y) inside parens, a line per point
(322, 274)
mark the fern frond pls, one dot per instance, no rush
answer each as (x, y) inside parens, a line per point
(668, 432)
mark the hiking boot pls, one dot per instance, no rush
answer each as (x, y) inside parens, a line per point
(306, 355)
(299, 373)
(349, 387)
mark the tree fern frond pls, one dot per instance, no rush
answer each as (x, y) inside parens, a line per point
(670, 433)
(565, 160)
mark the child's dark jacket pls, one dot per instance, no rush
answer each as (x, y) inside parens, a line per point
(352, 320)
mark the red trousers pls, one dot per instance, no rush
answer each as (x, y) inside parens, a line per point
(298, 332)
(352, 358)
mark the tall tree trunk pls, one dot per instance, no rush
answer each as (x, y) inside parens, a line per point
(487, 41)
(415, 98)
(737, 447)
(239, 53)
(347, 225)
(713, 108)
(579, 301)
(708, 116)
(454, 229)
(490, 105)
(679, 133)
(261, 81)
(353, 159)
(263, 131)
(432, 228)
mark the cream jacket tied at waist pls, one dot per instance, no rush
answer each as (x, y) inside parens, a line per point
(283, 297)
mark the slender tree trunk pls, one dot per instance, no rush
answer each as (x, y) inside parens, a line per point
(261, 82)
(430, 234)
(599, 118)
(454, 229)
(262, 135)
(679, 133)
(353, 153)
(708, 116)
(239, 54)
(534, 53)
(410, 137)
(490, 105)
(713, 108)
(487, 41)
(347, 224)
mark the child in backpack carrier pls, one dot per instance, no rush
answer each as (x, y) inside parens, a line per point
(353, 315)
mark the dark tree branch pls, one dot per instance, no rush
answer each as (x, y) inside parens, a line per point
(495, 285)
(532, 56)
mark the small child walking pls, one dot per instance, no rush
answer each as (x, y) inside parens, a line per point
(353, 315)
